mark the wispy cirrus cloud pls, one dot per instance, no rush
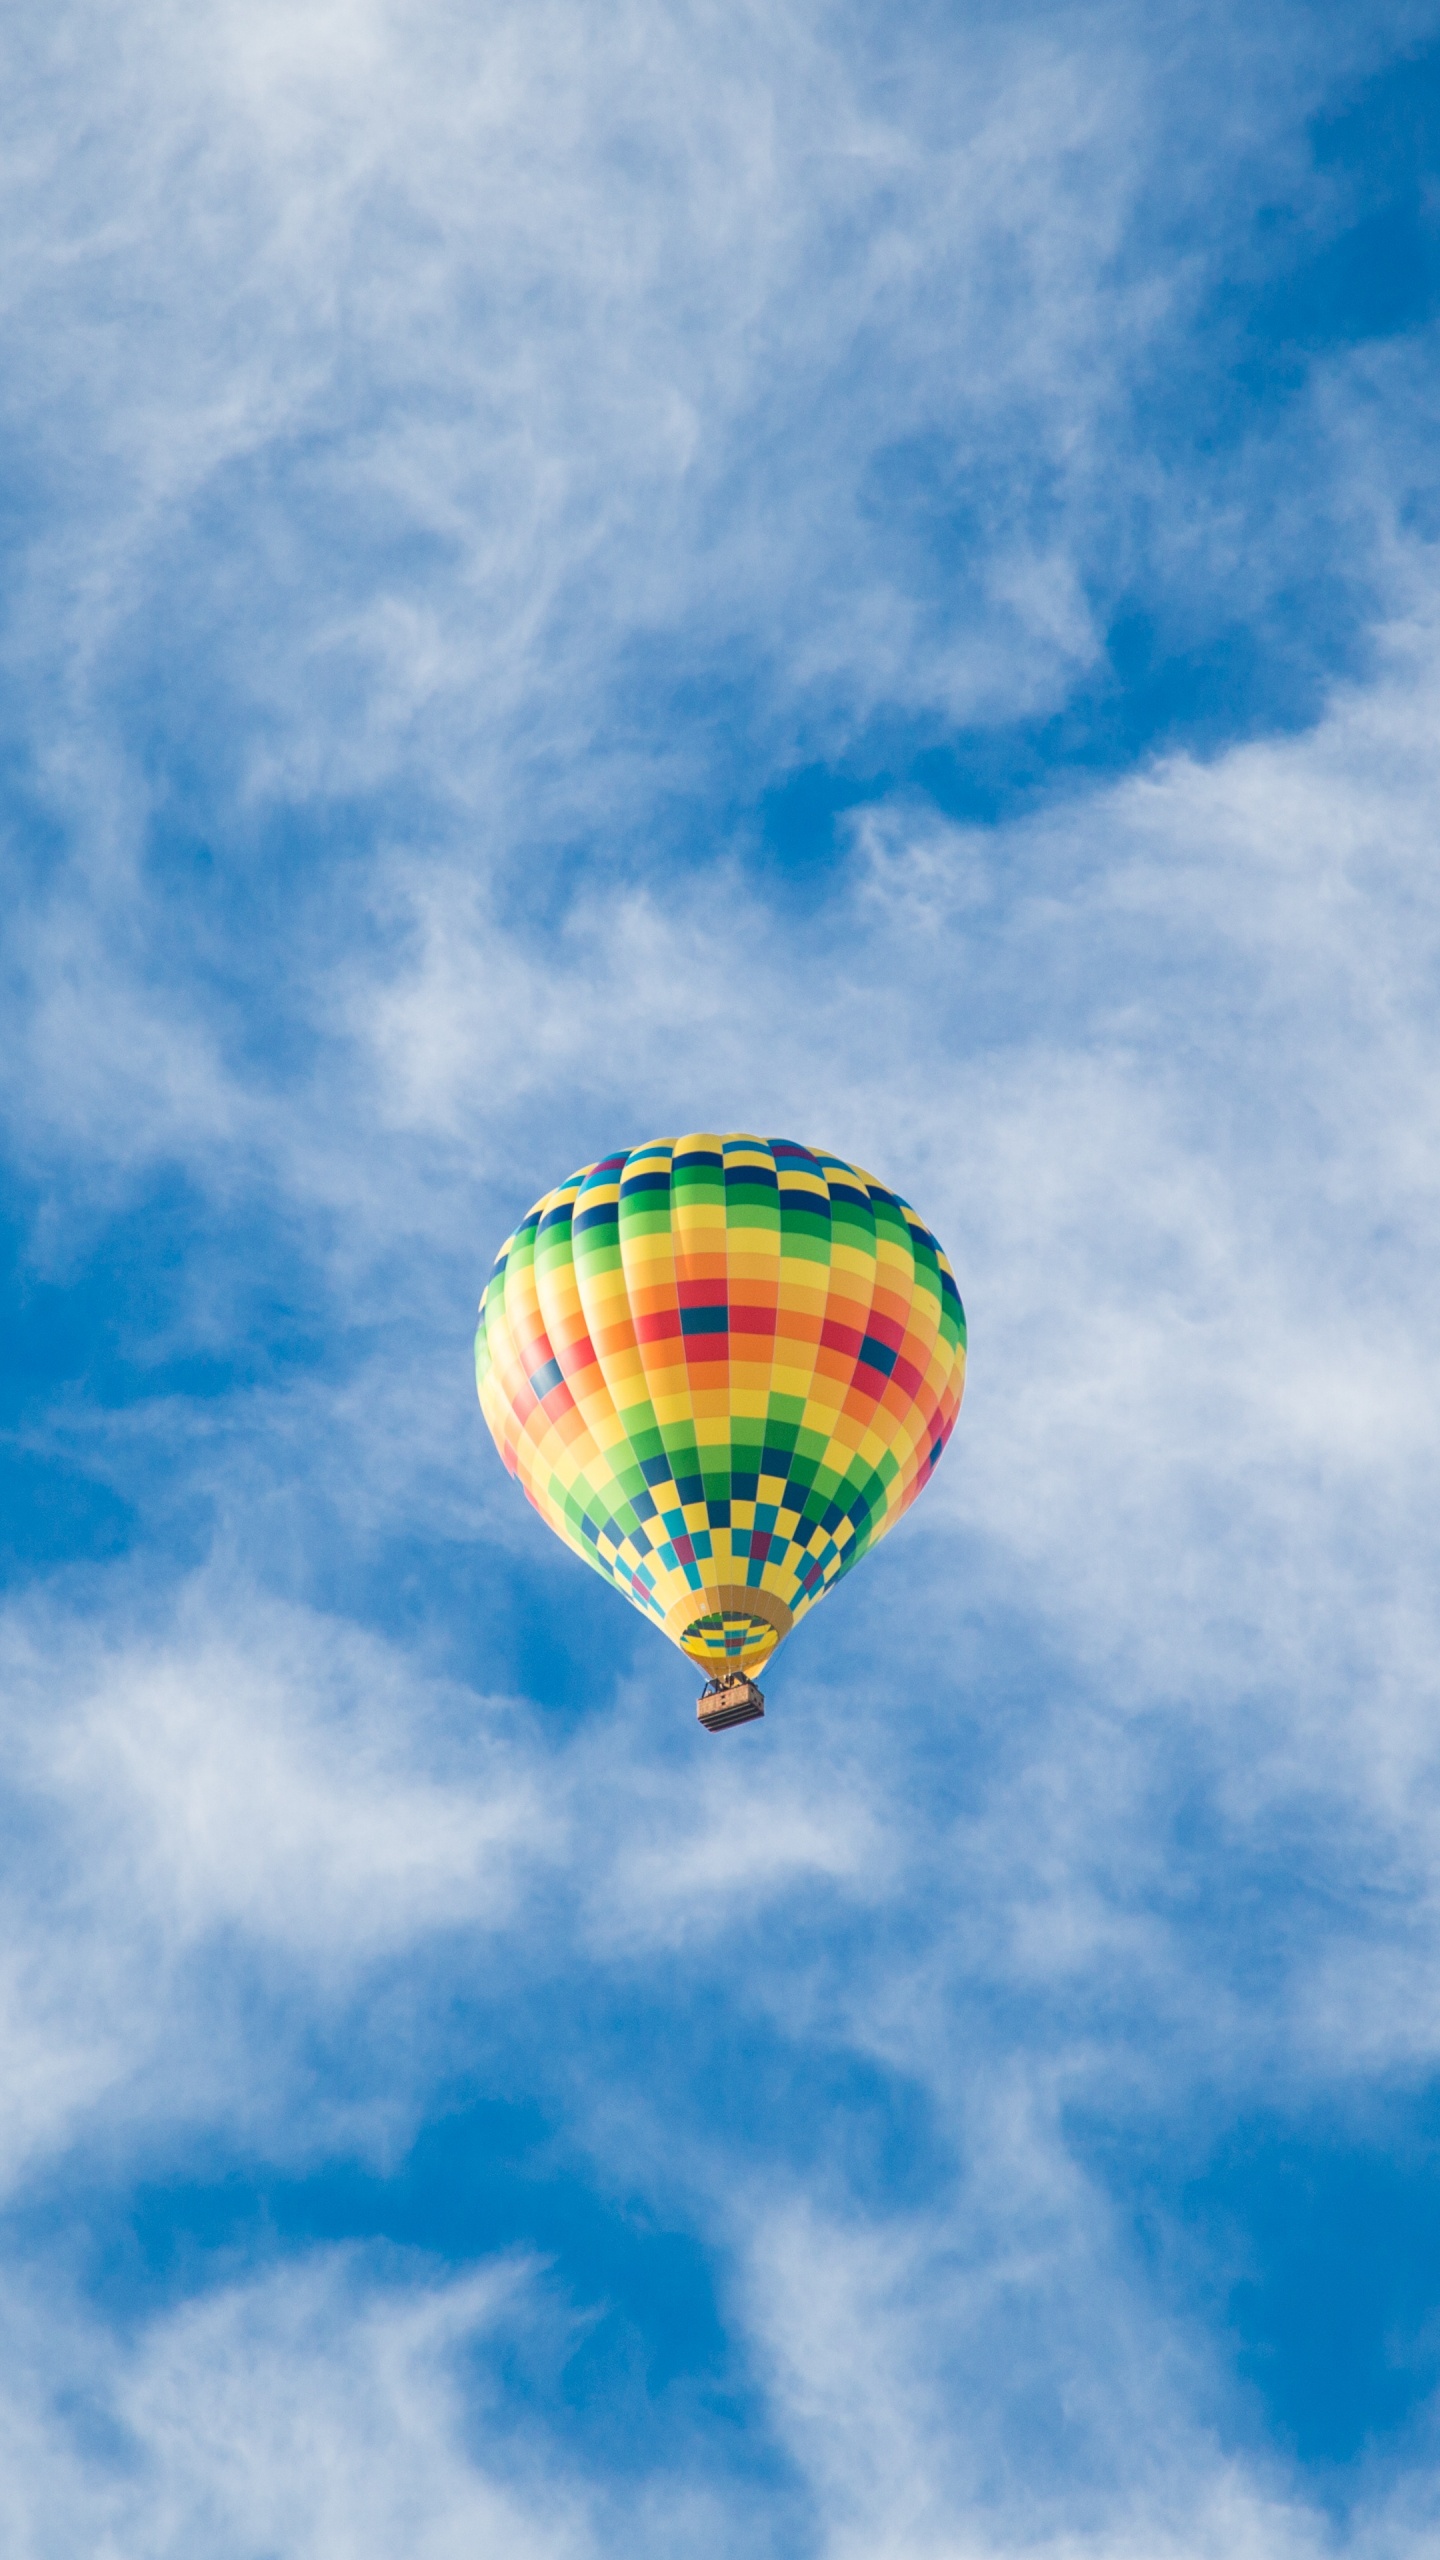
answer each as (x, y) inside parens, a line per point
(396, 404)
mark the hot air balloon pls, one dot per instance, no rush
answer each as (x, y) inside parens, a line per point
(721, 1368)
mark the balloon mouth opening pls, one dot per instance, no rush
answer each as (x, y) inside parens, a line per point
(728, 1633)
(727, 1643)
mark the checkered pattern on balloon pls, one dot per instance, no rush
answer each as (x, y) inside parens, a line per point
(721, 1368)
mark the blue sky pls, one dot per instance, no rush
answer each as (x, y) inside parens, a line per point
(576, 574)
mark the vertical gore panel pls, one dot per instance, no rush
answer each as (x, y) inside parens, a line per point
(752, 1245)
(600, 1288)
(647, 1255)
(697, 1193)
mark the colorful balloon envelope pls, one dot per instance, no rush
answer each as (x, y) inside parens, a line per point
(721, 1367)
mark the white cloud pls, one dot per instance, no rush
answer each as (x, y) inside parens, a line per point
(240, 1802)
(242, 1826)
(312, 2411)
(356, 2403)
(940, 2412)
(385, 392)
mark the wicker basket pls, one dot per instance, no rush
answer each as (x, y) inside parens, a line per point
(727, 1702)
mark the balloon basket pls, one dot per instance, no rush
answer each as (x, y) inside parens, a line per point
(725, 1702)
